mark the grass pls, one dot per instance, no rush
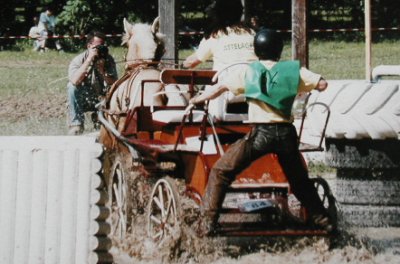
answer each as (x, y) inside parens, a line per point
(318, 168)
(22, 71)
(30, 75)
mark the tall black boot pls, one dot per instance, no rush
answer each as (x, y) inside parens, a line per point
(212, 203)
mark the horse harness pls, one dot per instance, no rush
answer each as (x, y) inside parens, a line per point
(131, 72)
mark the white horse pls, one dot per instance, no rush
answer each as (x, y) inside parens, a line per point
(145, 47)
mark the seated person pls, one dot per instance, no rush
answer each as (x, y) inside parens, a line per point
(227, 41)
(34, 33)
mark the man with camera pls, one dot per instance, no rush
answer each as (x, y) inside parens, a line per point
(90, 75)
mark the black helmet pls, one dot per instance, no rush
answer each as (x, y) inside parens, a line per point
(268, 44)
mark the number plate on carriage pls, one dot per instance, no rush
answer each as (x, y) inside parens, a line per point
(254, 205)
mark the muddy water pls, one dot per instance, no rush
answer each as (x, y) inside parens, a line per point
(350, 245)
(352, 249)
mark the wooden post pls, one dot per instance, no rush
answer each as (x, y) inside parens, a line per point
(299, 32)
(167, 10)
(367, 17)
(245, 15)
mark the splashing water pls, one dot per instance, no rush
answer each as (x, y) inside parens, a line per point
(351, 246)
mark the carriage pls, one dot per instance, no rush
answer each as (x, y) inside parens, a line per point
(159, 155)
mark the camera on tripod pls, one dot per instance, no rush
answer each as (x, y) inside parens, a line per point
(102, 51)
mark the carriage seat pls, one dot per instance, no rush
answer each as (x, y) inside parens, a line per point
(229, 108)
(179, 87)
(225, 108)
(176, 116)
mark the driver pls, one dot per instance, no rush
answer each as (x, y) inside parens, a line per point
(270, 87)
(90, 74)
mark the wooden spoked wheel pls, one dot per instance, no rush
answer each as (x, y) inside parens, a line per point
(163, 213)
(120, 198)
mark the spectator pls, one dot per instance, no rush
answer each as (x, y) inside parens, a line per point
(229, 40)
(270, 103)
(90, 75)
(34, 33)
(47, 25)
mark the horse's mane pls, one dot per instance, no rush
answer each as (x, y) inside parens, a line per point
(125, 38)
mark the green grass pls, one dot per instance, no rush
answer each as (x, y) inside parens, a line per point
(23, 71)
(319, 168)
(30, 75)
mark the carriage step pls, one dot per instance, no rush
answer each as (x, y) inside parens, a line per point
(305, 147)
(230, 231)
(248, 187)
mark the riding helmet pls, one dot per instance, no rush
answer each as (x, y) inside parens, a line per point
(268, 44)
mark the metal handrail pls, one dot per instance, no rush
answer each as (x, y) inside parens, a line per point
(325, 125)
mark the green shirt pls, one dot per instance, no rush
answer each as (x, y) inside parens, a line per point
(276, 87)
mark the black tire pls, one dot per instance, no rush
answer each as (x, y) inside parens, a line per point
(368, 192)
(362, 153)
(369, 215)
(164, 213)
(327, 198)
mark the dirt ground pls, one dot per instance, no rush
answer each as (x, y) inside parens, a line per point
(26, 105)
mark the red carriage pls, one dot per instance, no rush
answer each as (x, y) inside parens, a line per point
(172, 149)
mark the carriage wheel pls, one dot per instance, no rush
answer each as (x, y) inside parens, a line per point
(163, 214)
(120, 196)
(326, 196)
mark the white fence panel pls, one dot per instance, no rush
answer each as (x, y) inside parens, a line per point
(49, 196)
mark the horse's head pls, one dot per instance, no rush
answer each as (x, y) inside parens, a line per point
(144, 41)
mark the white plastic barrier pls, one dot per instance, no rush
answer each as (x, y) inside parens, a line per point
(360, 109)
(51, 207)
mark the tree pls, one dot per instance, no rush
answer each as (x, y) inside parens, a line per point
(75, 17)
(79, 16)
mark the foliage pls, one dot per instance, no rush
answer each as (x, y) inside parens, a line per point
(7, 15)
(73, 9)
(80, 16)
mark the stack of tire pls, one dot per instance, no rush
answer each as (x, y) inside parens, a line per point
(368, 181)
(362, 143)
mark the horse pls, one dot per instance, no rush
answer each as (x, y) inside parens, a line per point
(145, 48)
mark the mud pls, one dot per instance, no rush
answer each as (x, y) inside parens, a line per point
(346, 248)
(349, 245)
(24, 106)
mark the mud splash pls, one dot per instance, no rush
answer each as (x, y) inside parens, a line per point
(220, 251)
(352, 246)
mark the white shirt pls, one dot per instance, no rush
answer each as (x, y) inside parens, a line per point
(227, 49)
(34, 32)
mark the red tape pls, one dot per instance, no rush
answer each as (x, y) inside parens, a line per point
(191, 33)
